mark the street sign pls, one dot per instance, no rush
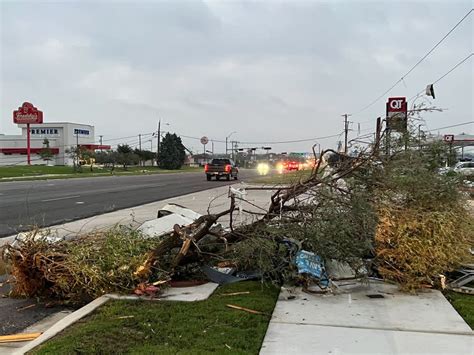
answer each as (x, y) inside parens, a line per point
(27, 114)
(449, 138)
(204, 140)
(397, 108)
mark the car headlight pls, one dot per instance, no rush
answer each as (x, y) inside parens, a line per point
(263, 168)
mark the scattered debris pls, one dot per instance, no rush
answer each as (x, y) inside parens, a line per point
(375, 295)
(236, 293)
(18, 337)
(125, 317)
(245, 309)
(144, 289)
(310, 263)
(224, 276)
(26, 307)
(466, 278)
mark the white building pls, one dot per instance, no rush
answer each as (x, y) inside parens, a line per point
(61, 136)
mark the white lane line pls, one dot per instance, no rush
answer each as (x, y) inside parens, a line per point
(60, 198)
(79, 203)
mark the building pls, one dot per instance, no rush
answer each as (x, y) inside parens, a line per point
(62, 136)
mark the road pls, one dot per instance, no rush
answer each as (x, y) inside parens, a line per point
(50, 202)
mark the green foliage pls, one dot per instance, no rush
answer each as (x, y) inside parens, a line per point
(46, 153)
(205, 327)
(172, 152)
(343, 229)
(264, 251)
(124, 149)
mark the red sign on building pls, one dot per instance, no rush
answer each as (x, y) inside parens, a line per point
(27, 114)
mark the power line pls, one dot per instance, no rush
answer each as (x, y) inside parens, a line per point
(294, 141)
(445, 74)
(414, 66)
(451, 126)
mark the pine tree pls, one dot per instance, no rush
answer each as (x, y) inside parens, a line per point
(172, 152)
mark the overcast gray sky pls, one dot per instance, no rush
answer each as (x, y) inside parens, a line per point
(272, 71)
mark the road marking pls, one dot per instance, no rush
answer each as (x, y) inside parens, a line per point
(79, 203)
(60, 198)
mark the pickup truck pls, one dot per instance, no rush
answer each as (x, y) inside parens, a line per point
(222, 167)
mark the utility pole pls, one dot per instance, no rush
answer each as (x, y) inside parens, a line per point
(212, 142)
(100, 140)
(140, 148)
(346, 131)
(158, 142)
(378, 130)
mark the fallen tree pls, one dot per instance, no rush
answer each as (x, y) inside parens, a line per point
(372, 212)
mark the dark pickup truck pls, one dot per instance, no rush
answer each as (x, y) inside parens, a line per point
(221, 168)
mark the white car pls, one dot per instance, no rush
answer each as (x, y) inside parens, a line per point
(464, 167)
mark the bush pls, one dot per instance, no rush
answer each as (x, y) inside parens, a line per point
(414, 246)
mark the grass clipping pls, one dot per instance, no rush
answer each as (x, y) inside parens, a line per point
(414, 246)
(79, 270)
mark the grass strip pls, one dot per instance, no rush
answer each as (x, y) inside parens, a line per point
(168, 327)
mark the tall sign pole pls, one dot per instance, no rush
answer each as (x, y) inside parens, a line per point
(396, 118)
(27, 114)
(28, 144)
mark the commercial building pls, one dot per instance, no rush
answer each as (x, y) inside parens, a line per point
(62, 136)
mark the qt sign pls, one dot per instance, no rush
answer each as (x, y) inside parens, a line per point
(397, 104)
(397, 113)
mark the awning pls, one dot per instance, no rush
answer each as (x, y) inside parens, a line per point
(24, 150)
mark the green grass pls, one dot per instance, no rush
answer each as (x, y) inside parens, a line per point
(282, 179)
(167, 327)
(464, 305)
(35, 171)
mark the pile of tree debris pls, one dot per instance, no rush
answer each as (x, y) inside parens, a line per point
(383, 215)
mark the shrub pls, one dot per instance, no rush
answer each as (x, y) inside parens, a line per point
(414, 246)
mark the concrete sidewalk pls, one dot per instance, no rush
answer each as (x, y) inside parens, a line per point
(353, 323)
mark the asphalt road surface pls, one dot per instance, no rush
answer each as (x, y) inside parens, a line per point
(50, 202)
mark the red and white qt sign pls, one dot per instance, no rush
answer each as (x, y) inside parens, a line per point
(397, 104)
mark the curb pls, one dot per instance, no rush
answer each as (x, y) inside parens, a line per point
(63, 323)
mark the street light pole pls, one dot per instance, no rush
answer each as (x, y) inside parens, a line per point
(226, 140)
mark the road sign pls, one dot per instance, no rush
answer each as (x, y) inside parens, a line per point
(449, 138)
(397, 108)
(27, 114)
(204, 140)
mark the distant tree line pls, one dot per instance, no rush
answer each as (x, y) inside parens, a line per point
(171, 156)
